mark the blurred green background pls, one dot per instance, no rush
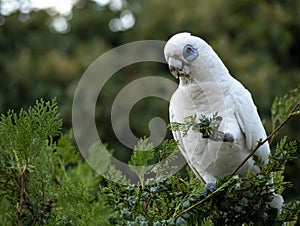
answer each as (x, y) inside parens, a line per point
(44, 52)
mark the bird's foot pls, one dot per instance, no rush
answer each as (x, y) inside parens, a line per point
(228, 137)
(220, 136)
(209, 188)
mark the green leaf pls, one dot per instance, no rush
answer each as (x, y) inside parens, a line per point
(142, 153)
(282, 106)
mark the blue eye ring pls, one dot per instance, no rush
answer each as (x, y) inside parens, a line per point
(190, 53)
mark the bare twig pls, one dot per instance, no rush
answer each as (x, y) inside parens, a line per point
(22, 172)
(21, 203)
(274, 132)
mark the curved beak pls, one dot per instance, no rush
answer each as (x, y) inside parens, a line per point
(175, 65)
(178, 68)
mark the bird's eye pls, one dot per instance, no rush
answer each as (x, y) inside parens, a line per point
(190, 53)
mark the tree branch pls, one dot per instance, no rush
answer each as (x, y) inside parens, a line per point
(22, 194)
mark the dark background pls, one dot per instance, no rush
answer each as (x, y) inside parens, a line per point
(258, 41)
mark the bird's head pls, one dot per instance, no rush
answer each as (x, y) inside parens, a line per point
(190, 57)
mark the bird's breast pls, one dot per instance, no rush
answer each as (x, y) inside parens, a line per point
(206, 155)
(206, 98)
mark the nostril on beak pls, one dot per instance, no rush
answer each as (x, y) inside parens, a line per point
(175, 64)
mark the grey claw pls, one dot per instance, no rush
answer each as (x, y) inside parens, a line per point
(209, 188)
(220, 136)
(217, 136)
(228, 137)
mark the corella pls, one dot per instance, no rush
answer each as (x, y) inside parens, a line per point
(206, 88)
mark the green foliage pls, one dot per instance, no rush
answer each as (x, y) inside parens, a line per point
(142, 153)
(282, 106)
(180, 201)
(149, 205)
(26, 145)
(208, 127)
(42, 178)
(284, 152)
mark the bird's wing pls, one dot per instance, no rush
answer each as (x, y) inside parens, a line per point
(249, 122)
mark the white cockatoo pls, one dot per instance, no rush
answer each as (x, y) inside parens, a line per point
(205, 88)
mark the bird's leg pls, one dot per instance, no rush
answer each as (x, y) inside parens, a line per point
(220, 136)
(210, 183)
(209, 188)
